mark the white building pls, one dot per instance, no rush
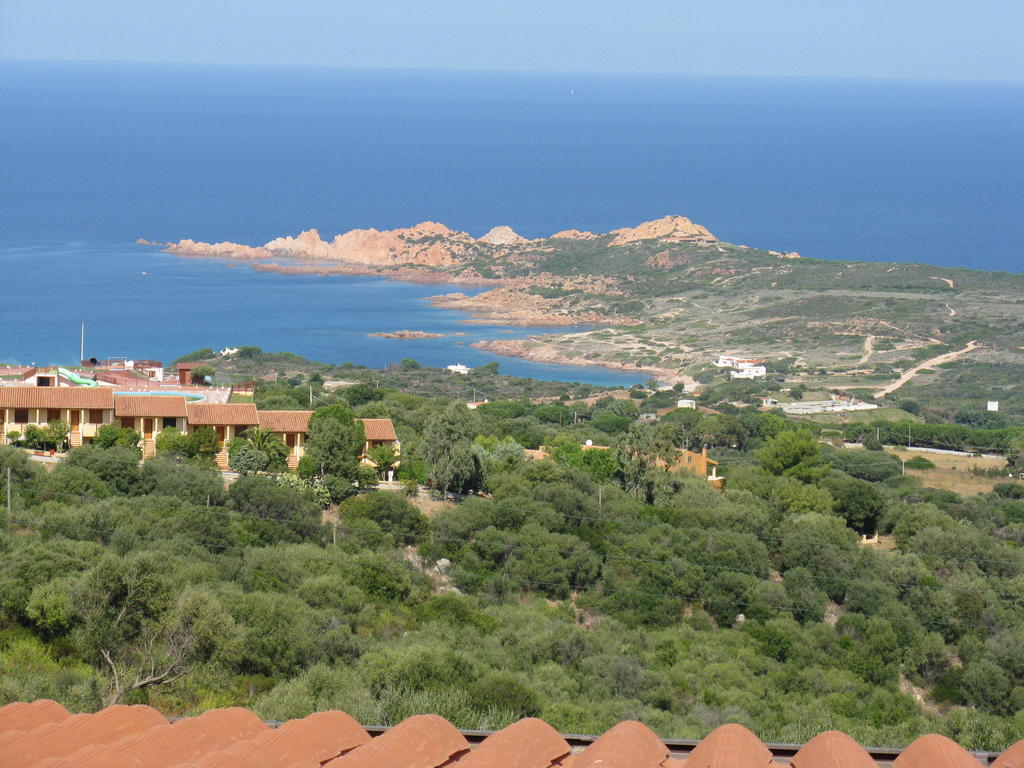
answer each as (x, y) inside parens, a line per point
(458, 368)
(686, 403)
(731, 361)
(993, 405)
(750, 372)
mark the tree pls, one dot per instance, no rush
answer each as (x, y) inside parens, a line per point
(271, 512)
(1015, 452)
(859, 502)
(57, 433)
(448, 451)
(634, 454)
(110, 435)
(270, 444)
(384, 457)
(202, 444)
(203, 374)
(793, 453)
(391, 512)
(408, 364)
(247, 460)
(334, 443)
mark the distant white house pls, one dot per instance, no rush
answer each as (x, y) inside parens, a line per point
(648, 417)
(993, 405)
(731, 361)
(750, 372)
(474, 405)
(686, 403)
(228, 351)
(458, 368)
(769, 402)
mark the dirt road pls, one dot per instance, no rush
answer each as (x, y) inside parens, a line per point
(948, 357)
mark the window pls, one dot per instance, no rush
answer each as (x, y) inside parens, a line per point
(21, 415)
(169, 421)
(95, 415)
(52, 414)
(127, 422)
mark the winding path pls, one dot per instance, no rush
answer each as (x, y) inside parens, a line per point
(869, 348)
(946, 358)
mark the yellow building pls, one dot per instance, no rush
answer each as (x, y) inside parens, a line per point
(85, 409)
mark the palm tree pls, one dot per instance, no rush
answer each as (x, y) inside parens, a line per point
(269, 443)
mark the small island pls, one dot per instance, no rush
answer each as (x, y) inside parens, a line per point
(406, 335)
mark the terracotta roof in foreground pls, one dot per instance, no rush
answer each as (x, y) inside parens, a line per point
(237, 414)
(45, 735)
(378, 429)
(56, 397)
(285, 421)
(160, 406)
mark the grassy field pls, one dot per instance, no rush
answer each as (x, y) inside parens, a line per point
(957, 473)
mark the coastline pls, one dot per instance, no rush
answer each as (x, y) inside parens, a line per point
(545, 352)
(502, 304)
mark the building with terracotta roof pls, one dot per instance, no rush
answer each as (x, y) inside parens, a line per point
(85, 409)
(229, 420)
(148, 414)
(379, 432)
(44, 733)
(291, 427)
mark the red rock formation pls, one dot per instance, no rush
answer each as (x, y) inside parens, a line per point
(427, 244)
(503, 236)
(673, 229)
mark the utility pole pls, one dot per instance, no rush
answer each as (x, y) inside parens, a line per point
(81, 348)
(10, 505)
(908, 435)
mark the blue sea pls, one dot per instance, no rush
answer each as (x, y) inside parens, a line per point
(93, 156)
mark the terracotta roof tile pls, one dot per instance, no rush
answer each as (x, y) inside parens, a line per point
(378, 429)
(56, 397)
(422, 741)
(285, 421)
(1011, 758)
(327, 734)
(832, 749)
(934, 751)
(730, 746)
(20, 717)
(155, 406)
(530, 743)
(64, 738)
(238, 414)
(44, 735)
(627, 745)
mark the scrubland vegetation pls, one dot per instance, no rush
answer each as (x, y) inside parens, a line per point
(584, 588)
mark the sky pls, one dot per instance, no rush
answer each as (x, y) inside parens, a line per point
(915, 39)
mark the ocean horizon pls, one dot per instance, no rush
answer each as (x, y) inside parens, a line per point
(97, 155)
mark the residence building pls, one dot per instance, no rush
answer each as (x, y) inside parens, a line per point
(148, 414)
(84, 409)
(732, 361)
(458, 368)
(229, 420)
(291, 427)
(379, 432)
